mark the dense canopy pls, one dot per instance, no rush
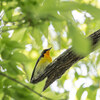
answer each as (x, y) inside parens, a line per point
(29, 26)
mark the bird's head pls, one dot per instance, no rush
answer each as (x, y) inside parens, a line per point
(46, 54)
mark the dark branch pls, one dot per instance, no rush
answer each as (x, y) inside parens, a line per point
(2, 74)
(64, 61)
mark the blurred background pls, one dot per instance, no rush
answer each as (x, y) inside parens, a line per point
(29, 26)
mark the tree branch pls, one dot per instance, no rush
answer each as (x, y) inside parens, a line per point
(2, 74)
(64, 61)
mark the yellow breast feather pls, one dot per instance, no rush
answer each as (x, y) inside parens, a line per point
(41, 67)
(41, 64)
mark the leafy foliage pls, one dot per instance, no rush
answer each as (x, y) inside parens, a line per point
(28, 26)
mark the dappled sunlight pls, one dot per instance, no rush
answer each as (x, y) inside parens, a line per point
(29, 27)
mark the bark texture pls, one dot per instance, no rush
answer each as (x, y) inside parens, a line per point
(64, 61)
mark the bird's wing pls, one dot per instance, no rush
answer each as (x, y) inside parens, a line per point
(35, 68)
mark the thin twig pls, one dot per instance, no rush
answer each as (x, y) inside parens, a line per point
(2, 74)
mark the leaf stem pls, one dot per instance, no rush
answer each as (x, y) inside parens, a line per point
(2, 74)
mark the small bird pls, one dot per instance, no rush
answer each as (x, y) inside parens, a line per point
(41, 64)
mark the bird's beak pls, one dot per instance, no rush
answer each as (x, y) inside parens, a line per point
(50, 48)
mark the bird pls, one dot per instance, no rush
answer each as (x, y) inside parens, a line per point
(41, 64)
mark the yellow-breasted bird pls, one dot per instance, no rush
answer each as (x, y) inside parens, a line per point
(41, 64)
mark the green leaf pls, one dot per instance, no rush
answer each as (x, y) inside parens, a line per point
(58, 26)
(9, 14)
(2, 46)
(67, 6)
(18, 34)
(6, 97)
(5, 54)
(37, 34)
(49, 11)
(18, 57)
(95, 12)
(70, 5)
(20, 94)
(98, 59)
(80, 92)
(15, 44)
(5, 35)
(80, 44)
(17, 17)
(11, 44)
(93, 25)
(5, 29)
(49, 5)
(55, 96)
(92, 91)
(39, 87)
(7, 82)
(1, 84)
(44, 28)
(12, 69)
(76, 75)
(5, 17)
